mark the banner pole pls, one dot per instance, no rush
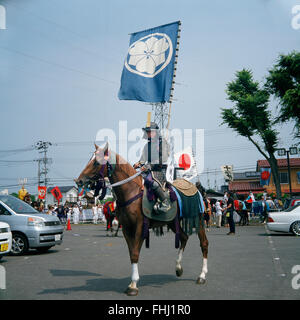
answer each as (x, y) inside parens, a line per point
(174, 75)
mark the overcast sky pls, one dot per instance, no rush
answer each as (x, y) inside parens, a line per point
(61, 63)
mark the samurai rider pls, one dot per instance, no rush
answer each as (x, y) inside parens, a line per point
(152, 167)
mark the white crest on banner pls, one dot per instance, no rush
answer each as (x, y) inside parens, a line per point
(148, 53)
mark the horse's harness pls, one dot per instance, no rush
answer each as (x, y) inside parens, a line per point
(100, 184)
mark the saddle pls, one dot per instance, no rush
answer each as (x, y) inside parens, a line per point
(186, 187)
(150, 213)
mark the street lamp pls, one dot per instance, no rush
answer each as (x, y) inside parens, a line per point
(283, 152)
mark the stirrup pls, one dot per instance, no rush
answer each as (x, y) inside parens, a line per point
(162, 207)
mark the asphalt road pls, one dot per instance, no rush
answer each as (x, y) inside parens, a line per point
(253, 264)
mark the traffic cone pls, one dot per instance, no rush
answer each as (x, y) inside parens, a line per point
(69, 225)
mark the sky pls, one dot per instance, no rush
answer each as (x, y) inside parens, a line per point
(61, 63)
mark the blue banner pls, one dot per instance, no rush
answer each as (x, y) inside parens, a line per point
(149, 65)
(265, 176)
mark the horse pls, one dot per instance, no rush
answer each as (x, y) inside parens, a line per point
(130, 213)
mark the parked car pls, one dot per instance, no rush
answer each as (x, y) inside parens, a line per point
(5, 239)
(285, 221)
(30, 229)
(291, 202)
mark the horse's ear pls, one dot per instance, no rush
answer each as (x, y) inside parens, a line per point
(96, 147)
(105, 149)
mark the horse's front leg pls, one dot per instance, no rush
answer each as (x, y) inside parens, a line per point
(134, 245)
(204, 247)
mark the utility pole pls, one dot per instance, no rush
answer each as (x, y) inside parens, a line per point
(42, 147)
(287, 152)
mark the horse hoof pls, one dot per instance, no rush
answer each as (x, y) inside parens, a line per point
(200, 281)
(179, 272)
(132, 291)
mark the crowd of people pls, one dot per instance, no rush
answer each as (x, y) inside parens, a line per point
(231, 210)
(77, 213)
(225, 212)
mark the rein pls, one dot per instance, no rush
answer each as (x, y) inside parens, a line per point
(101, 185)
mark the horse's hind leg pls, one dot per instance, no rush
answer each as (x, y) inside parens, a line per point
(204, 247)
(183, 240)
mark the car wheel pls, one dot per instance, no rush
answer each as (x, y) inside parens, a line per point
(295, 228)
(19, 244)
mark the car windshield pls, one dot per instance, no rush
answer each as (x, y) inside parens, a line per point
(17, 205)
(292, 208)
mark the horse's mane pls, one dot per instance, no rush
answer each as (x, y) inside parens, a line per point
(127, 169)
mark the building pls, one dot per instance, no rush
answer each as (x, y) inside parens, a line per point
(69, 194)
(283, 175)
(244, 182)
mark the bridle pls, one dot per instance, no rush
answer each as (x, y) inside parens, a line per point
(100, 183)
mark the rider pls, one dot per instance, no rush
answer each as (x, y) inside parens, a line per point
(152, 134)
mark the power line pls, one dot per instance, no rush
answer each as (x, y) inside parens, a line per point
(57, 65)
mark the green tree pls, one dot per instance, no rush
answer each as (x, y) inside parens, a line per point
(250, 118)
(284, 82)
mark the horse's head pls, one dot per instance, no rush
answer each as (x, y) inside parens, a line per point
(95, 169)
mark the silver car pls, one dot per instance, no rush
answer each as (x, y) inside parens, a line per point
(30, 228)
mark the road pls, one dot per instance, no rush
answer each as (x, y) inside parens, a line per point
(253, 264)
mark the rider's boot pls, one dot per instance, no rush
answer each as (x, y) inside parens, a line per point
(164, 204)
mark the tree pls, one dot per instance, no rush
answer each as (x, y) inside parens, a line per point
(251, 118)
(284, 82)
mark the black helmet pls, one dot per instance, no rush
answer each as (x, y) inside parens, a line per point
(153, 126)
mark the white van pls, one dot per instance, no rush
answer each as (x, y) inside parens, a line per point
(5, 239)
(30, 229)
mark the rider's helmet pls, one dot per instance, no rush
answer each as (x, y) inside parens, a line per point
(153, 127)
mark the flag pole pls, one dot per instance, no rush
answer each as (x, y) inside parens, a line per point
(174, 75)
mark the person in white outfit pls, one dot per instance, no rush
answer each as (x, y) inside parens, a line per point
(95, 213)
(218, 214)
(76, 213)
(100, 212)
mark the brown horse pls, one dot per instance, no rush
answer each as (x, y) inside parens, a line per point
(129, 210)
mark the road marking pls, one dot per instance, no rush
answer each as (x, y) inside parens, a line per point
(276, 259)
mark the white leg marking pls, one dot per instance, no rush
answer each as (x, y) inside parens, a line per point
(134, 276)
(204, 269)
(135, 272)
(178, 265)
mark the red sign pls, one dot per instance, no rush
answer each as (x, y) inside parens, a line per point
(56, 193)
(42, 192)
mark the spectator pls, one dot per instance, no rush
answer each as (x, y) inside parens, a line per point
(266, 209)
(244, 214)
(270, 202)
(95, 213)
(22, 193)
(83, 212)
(68, 212)
(219, 211)
(100, 212)
(50, 209)
(61, 214)
(76, 214)
(207, 211)
(230, 209)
